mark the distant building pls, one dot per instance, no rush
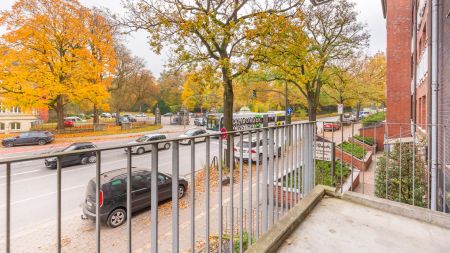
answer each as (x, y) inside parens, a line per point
(13, 119)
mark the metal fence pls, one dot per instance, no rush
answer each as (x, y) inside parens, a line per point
(387, 160)
(271, 170)
(280, 171)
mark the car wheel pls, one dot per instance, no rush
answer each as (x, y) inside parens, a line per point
(84, 160)
(42, 142)
(9, 144)
(117, 218)
(167, 146)
(181, 191)
(140, 151)
(92, 159)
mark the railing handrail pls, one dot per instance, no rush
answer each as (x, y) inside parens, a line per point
(61, 154)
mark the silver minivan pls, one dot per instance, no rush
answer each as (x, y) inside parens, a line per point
(145, 146)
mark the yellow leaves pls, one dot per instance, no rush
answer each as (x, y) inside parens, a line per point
(53, 48)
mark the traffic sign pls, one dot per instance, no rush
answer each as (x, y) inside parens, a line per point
(289, 111)
(340, 109)
(224, 133)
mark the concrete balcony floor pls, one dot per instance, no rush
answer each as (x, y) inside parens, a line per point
(337, 225)
(326, 221)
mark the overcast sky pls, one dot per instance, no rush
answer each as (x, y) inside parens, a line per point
(369, 13)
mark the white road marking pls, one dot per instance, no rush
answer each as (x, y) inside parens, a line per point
(45, 195)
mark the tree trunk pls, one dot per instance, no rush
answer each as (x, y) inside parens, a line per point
(117, 116)
(358, 108)
(96, 120)
(228, 100)
(60, 112)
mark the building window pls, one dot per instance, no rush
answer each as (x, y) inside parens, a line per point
(2, 126)
(15, 126)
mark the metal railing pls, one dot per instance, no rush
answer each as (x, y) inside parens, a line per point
(280, 153)
(388, 160)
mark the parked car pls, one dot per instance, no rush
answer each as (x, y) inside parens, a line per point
(106, 115)
(123, 119)
(331, 126)
(144, 147)
(141, 115)
(29, 138)
(129, 117)
(68, 123)
(199, 122)
(192, 133)
(75, 119)
(363, 114)
(113, 194)
(348, 118)
(257, 154)
(73, 159)
(114, 115)
(167, 114)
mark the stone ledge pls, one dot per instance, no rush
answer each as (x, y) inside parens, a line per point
(417, 213)
(281, 230)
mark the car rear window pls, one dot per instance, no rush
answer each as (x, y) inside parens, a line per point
(90, 191)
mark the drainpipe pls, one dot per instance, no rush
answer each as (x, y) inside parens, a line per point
(414, 95)
(434, 104)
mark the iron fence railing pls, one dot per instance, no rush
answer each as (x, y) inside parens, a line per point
(278, 150)
(270, 170)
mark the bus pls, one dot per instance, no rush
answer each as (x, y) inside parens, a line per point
(246, 120)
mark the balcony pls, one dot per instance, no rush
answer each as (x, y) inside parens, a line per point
(270, 199)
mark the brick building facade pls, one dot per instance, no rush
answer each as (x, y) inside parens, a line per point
(408, 82)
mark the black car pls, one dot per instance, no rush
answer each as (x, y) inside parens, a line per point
(122, 119)
(73, 159)
(29, 138)
(113, 194)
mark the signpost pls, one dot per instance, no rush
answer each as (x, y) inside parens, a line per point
(340, 109)
(325, 151)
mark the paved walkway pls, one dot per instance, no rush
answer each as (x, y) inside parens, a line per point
(367, 178)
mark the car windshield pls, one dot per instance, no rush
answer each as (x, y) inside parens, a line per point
(190, 132)
(142, 139)
(69, 148)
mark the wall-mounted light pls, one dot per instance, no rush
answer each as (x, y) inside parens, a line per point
(318, 2)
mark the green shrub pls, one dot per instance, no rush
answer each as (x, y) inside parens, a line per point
(354, 149)
(323, 174)
(374, 119)
(236, 241)
(394, 180)
(367, 140)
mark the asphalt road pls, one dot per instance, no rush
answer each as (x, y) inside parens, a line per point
(33, 188)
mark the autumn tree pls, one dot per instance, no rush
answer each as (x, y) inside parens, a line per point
(302, 48)
(46, 59)
(205, 33)
(132, 85)
(171, 88)
(103, 63)
(200, 91)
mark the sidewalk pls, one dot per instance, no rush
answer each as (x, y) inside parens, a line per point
(79, 235)
(62, 142)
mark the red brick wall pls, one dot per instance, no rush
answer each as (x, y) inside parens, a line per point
(352, 160)
(398, 56)
(377, 133)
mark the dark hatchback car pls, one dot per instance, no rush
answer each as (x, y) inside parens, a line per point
(29, 138)
(113, 193)
(73, 159)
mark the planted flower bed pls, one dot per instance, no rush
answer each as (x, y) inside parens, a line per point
(287, 186)
(354, 154)
(368, 143)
